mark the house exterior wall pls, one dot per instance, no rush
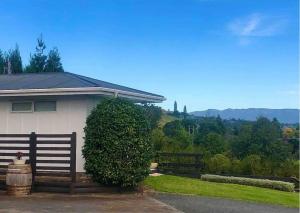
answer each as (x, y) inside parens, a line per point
(70, 116)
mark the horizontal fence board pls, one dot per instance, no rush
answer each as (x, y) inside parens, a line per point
(53, 155)
(13, 154)
(53, 168)
(53, 174)
(14, 148)
(53, 135)
(179, 164)
(54, 148)
(53, 142)
(52, 184)
(6, 160)
(51, 189)
(14, 141)
(14, 135)
(178, 154)
(53, 161)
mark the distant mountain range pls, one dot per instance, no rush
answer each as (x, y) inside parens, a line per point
(288, 116)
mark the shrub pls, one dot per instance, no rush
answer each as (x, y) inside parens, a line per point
(117, 147)
(236, 166)
(272, 184)
(252, 165)
(219, 164)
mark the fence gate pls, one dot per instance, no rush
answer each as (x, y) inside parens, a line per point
(52, 158)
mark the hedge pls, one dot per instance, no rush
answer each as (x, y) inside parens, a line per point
(272, 184)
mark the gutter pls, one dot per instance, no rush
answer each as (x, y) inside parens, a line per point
(82, 91)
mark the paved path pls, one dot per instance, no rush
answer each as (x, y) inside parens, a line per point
(44, 203)
(191, 204)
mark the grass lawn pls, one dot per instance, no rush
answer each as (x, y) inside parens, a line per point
(183, 185)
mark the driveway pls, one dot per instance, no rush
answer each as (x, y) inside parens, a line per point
(191, 204)
(44, 202)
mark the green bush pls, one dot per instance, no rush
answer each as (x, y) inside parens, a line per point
(236, 166)
(252, 165)
(219, 164)
(117, 147)
(272, 184)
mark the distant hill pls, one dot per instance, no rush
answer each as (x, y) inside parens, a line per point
(288, 116)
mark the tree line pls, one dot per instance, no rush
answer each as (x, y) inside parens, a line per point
(11, 61)
(263, 147)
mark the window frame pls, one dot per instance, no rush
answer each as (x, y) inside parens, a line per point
(34, 108)
(22, 111)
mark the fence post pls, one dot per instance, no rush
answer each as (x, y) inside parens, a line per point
(197, 161)
(73, 162)
(32, 156)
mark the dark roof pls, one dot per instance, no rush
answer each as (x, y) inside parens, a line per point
(57, 80)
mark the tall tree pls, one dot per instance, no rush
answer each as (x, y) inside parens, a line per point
(2, 62)
(175, 106)
(185, 114)
(184, 109)
(175, 112)
(38, 59)
(15, 60)
(53, 63)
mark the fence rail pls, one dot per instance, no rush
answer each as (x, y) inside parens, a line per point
(189, 164)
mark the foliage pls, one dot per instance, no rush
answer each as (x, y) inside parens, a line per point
(117, 147)
(219, 164)
(53, 63)
(2, 62)
(154, 114)
(37, 61)
(253, 147)
(191, 186)
(272, 184)
(252, 165)
(15, 60)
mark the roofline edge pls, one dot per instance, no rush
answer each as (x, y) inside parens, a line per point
(81, 91)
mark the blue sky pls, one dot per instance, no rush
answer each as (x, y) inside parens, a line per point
(203, 53)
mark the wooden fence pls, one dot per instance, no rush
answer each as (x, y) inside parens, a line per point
(188, 164)
(50, 155)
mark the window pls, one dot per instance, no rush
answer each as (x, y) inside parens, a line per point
(21, 107)
(45, 106)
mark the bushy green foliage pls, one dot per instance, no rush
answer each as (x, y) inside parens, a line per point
(219, 164)
(153, 114)
(272, 184)
(117, 147)
(251, 165)
(254, 148)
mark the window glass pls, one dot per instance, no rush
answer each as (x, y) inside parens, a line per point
(21, 107)
(43, 106)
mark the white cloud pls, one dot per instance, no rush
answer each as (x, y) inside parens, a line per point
(256, 25)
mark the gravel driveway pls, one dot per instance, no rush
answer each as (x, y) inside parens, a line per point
(191, 204)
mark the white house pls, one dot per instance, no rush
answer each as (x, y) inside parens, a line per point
(54, 103)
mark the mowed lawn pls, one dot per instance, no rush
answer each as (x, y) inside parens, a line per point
(183, 185)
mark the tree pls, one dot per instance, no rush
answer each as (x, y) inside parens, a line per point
(53, 63)
(38, 60)
(15, 60)
(184, 112)
(153, 114)
(117, 148)
(2, 62)
(175, 112)
(175, 106)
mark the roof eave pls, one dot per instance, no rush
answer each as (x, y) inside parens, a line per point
(82, 91)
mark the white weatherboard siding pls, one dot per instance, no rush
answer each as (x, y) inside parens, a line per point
(70, 116)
